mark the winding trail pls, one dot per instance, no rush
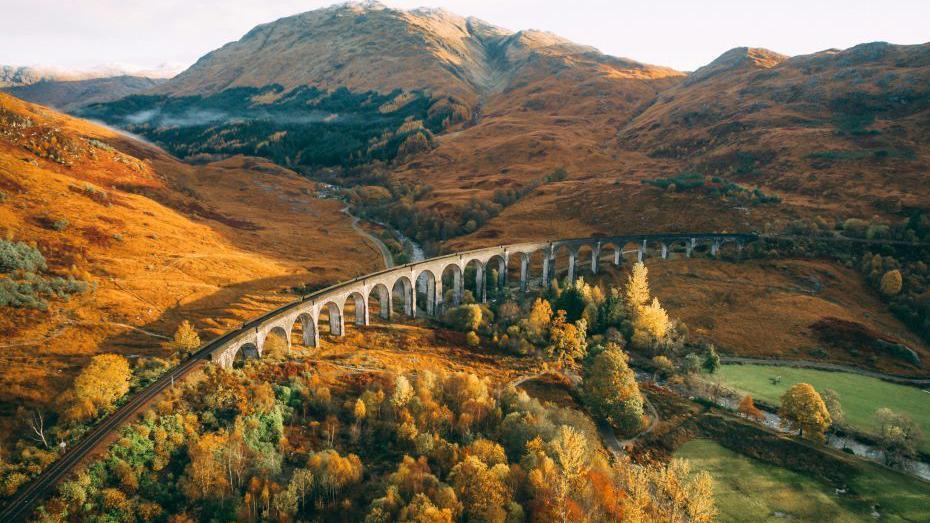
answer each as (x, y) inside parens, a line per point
(836, 367)
(385, 252)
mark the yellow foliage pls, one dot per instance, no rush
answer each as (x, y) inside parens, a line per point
(803, 409)
(637, 289)
(653, 319)
(185, 339)
(892, 283)
(101, 383)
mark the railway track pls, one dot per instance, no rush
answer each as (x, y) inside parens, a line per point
(22, 505)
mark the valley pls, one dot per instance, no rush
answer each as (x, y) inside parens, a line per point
(373, 264)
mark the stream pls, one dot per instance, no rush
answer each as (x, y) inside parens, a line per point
(859, 448)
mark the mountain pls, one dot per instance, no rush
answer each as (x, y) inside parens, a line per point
(69, 95)
(479, 132)
(436, 99)
(370, 47)
(17, 76)
(842, 131)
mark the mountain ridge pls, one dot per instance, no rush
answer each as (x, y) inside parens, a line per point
(463, 57)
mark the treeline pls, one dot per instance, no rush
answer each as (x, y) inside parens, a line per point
(714, 186)
(396, 205)
(899, 273)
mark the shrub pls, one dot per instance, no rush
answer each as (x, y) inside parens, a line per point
(891, 283)
(472, 339)
(31, 292)
(465, 317)
(20, 257)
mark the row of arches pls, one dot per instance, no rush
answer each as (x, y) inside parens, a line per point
(440, 284)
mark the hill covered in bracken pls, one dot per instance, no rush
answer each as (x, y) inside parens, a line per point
(462, 121)
(108, 243)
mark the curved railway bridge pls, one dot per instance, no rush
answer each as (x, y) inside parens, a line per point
(399, 287)
(382, 291)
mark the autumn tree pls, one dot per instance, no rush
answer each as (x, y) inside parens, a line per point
(567, 341)
(832, 400)
(898, 436)
(570, 450)
(891, 283)
(663, 365)
(610, 390)
(99, 385)
(333, 472)
(652, 319)
(482, 490)
(185, 340)
(747, 408)
(803, 409)
(539, 318)
(206, 477)
(301, 485)
(465, 317)
(637, 289)
(678, 494)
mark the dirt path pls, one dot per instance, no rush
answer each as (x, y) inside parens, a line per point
(920, 382)
(385, 252)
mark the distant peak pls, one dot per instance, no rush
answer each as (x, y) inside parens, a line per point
(757, 56)
(738, 58)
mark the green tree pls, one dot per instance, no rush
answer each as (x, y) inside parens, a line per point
(832, 400)
(572, 302)
(465, 317)
(711, 360)
(898, 436)
(691, 363)
(803, 409)
(610, 390)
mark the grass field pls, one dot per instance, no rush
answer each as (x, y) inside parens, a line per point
(859, 395)
(750, 490)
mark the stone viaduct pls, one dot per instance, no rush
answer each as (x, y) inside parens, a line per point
(398, 286)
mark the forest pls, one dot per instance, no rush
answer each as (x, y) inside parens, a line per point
(305, 128)
(296, 436)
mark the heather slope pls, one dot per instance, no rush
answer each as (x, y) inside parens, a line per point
(158, 241)
(836, 131)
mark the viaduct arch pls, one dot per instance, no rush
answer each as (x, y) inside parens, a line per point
(387, 286)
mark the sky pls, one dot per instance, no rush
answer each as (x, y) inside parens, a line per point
(683, 34)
